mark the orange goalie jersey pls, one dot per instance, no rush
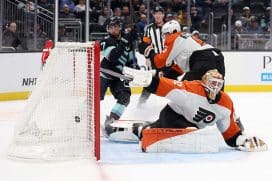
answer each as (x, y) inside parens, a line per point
(188, 98)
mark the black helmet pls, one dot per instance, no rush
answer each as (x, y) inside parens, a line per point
(115, 20)
(158, 8)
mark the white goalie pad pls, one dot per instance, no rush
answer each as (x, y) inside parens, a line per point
(125, 130)
(198, 141)
(123, 136)
(141, 78)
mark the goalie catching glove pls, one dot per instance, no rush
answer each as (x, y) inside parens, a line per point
(141, 78)
(250, 144)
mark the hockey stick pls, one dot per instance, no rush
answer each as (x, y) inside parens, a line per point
(116, 74)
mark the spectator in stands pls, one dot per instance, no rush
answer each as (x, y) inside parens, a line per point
(142, 10)
(265, 19)
(168, 10)
(80, 7)
(11, 38)
(125, 15)
(195, 18)
(117, 12)
(63, 35)
(206, 8)
(141, 24)
(116, 4)
(162, 3)
(41, 38)
(69, 3)
(46, 4)
(66, 12)
(169, 16)
(136, 5)
(79, 10)
(221, 2)
(103, 16)
(254, 26)
(176, 6)
(225, 18)
(238, 29)
(29, 7)
(180, 18)
(245, 18)
(244, 2)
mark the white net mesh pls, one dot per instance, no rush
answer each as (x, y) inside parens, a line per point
(58, 121)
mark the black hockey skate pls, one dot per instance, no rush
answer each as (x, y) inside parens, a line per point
(108, 129)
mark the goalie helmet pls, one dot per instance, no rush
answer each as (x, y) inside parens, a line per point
(213, 82)
(172, 26)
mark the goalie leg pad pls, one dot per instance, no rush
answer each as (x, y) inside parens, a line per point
(186, 140)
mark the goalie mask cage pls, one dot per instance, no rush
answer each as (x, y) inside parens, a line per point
(61, 118)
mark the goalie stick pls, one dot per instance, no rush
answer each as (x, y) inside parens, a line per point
(116, 74)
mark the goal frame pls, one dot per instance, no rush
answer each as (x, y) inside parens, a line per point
(96, 96)
(61, 120)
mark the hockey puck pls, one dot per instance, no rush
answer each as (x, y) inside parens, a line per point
(77, 119)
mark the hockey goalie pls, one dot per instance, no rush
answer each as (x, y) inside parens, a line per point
(183, 124)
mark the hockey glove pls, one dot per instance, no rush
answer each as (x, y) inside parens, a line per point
(250, 144)
(141, 78)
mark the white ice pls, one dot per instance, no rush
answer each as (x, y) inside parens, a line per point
(121, 161)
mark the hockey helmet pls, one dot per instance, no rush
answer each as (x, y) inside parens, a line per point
(114, 20)
(158, 8)
(213, 82)
(172, 26)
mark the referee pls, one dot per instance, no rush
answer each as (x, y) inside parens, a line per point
(153, 35)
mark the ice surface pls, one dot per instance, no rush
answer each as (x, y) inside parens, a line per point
(121, 161)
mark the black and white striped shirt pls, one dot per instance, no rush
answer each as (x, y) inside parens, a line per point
(154, 34)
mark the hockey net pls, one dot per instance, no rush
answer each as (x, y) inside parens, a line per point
(61, 118)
